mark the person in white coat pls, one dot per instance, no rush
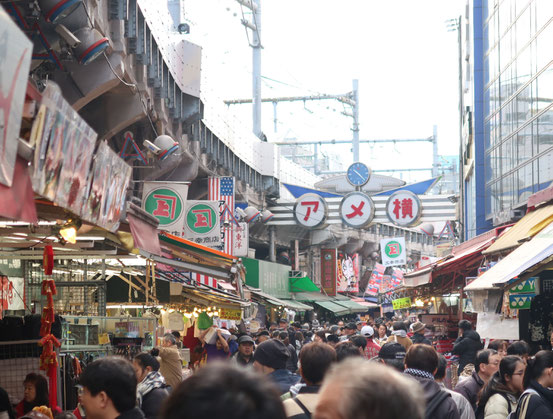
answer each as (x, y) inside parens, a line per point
(500, 394)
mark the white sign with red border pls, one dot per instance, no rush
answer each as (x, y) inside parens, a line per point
(310, 210)
(404, 208)
(357, 210)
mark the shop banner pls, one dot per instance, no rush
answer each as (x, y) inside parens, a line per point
(373, 287)
(15, 60)
(401, 303)
(328, 271)
(393, 251)
(12, 294)
(348, 273)
(528, 286)
(201, 223)
(520, 301)
(166, 201)
(241, 240)
(230, 313)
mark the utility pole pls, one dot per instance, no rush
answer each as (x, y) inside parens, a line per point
(355, 120)
(435, 158)
(255, 27)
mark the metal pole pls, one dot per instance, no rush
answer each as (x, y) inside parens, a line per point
(435, 161)
(272, 240)
(275, 115)
(355, 120)
(316, 158)
(256, 69)
(461, 200)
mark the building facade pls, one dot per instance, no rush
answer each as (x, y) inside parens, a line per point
(508, 113)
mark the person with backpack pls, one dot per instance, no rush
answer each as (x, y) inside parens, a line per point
(536, 402)
(499, 396)
(421, 362)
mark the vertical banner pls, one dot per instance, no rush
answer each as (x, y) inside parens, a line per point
(166, 201)
(393, 251)
(15, 60)
(241, 240)
(373, 287)
(222, 189)
(348, 272)
(329, 271)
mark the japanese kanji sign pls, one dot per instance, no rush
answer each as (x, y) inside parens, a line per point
(329, 271)
(241, 240)
(202, 224)
(310, 210)
(166, 201)
(402, 303)
(357, 210)
(393, 251)
(403, 208)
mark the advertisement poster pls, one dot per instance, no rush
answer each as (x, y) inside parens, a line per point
(329, 271)
(12, 294)
(201, 223)
(393, 251)
(241, 240)
(15, 60)
(373, 287)
(348, 272)
(167, 202)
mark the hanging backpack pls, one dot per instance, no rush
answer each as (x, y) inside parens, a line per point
(433, 404)
(523, 402)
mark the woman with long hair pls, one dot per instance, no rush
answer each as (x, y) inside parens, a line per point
(499, 396)
(35, 394)
(537, 400)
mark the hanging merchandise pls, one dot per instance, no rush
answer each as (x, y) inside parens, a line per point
(48, 358)
(175, 321)
(204, 321)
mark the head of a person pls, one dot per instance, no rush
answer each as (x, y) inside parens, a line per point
(245, 346)
(350, 329)
(273, 326)
(299, 336)
(283, 323)
(335, 329)
(359, 325)
(340, 324)
(344, 393)
(270, 355)
(275, 334)
(168, 340)
(422, 357)
(367, 332)
(418, 327)
(519, 348)
(285, 337)
(439, 375)
(382, 330)
(263, 336)
(221, 390)
(399, 325)
(464, 326)
(509, 378)
(486, 363)
(540, 368)
(296, 326)
(500, 346)
(333, 340)
(319, 336)
(176, 334)
(392, 354)
(360, 342)
(143, 364)
(315, 360)
(35, 389)
(108, 388)
(346, 350)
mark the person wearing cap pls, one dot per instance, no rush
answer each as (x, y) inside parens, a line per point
(392, 354)
(263, 336)
(283, 324)
(244, 355)
(349, 331)
(399, 335)
(270, 359)
(372, 349)
(418, 333)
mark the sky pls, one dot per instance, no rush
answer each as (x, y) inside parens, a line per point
(400, 51)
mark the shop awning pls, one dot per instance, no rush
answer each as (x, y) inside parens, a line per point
(337, 309)
(365, 303)
(291, 304)
(353, 306)
(417, 278)
(312, 296)
(527, 227)
(303, 284)
(528, 257)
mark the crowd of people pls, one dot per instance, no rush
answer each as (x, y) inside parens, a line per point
(343, 371)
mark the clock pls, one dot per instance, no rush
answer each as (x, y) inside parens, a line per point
(358, 174)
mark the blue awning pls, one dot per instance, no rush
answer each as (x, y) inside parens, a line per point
(298, 191)
(419, 188)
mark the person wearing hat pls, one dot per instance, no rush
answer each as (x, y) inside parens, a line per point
(270, 359)
(418, 333)
(263, 336)
(349, 331)
(392, 354)
(399, 335)
(244, 355)
(372, 349)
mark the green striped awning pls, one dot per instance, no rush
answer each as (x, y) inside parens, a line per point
(303, 284)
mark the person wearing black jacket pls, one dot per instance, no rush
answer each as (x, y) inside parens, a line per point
(151, 390)
(537, 400)
(466, 345)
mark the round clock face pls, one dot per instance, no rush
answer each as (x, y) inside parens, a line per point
(358, 174)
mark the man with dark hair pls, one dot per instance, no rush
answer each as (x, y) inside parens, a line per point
(221, 390)
(151, 390)
(421, 362)
(333, 340)
(519, 348)
(485, 365)
(244, 355)
(349, 330)
(463, 405)
(360, 343)
(292, 362)
(346, 350)
(466, 345)
(270, 359)
(315, 360)
(393, 355)
(263, 336)
(109, 390)
(358, 389)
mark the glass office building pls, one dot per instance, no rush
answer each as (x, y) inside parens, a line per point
(517, 102)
